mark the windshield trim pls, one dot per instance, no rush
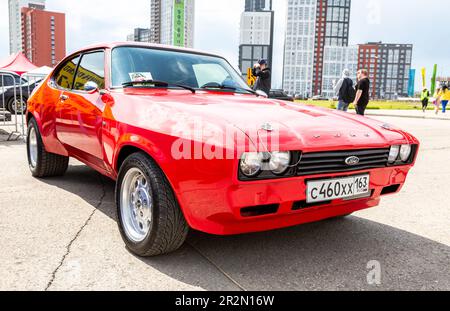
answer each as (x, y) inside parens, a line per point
(174, 49)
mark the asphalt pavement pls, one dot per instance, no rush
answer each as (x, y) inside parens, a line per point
(61, 234)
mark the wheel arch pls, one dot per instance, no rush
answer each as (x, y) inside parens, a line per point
(29, 116)
(49, 138)
(124, 152)
(141, 145)
(129, 148)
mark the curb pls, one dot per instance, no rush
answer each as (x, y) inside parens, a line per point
(408, 116)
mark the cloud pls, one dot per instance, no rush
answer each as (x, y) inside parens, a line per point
(90, 22)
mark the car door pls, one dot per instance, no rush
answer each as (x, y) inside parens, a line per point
(86, 107)
(61, 86)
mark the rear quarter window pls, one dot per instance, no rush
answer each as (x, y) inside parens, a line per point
(65, 75)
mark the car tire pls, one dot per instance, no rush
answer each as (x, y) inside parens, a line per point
(11, 105)
(42, 163)
(149, 217)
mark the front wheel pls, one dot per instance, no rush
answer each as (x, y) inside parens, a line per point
(150, 219)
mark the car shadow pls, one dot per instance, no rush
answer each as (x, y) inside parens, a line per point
(337, 254)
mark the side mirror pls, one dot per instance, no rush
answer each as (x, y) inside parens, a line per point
(262, 94)
(91, 87)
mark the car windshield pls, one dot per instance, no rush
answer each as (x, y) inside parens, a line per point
(134, 64)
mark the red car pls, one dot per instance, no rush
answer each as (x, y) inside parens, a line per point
(191, 146)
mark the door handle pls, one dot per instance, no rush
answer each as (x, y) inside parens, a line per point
(63, 97)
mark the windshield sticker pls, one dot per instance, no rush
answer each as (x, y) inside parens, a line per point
(140, 76)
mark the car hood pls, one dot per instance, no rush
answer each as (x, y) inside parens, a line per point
(297, 126)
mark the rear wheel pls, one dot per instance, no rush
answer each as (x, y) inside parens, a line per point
(150, 219)
(43, 163)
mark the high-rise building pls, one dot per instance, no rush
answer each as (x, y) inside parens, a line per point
(335, 60)
(388, 66)
(396, 62)
(369, 58)
(312, 25)
(43, 36)
(258, 5)
(256, 37)
(172, 22)
(139, 35)
(15, 21)
(299, 47)
(155, 21)
(332, 29)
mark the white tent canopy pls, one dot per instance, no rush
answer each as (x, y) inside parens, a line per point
(41, 71)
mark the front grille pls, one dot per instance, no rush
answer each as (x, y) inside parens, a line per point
(334, 162)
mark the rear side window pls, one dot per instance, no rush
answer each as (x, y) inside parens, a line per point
(91, 69)
(6, 80)
(65, 75)
(18, 81)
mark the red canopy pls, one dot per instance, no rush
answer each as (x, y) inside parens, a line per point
(17, 63)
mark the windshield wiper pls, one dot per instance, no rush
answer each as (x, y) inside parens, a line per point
(158, 84)
(232, 88)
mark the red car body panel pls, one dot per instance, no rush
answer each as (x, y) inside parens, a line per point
(95, 128)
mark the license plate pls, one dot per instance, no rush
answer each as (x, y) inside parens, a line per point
(339, 188)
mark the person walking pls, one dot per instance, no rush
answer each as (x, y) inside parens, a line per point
(425, 98)
(444, 96)
(264, 76)
(362, 92)
(437, 100)
(345, 91)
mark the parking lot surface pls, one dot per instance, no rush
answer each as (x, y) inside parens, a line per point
(61, 234)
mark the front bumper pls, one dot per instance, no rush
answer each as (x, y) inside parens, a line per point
(219, 210)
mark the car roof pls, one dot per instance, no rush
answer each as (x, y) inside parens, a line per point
(111, 45)
(9, 72)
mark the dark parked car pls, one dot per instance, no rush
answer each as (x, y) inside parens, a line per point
(281, 95)
(10, 84)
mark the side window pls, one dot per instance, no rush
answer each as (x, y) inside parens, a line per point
(9, 81)
(6, 80)
(92, 68)
(19, 81)
(64, 77)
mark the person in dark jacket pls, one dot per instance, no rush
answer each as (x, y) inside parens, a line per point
(362, 92)
(425, 98)
(264, 77)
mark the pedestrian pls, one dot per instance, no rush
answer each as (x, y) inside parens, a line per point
(425, 98)
(437, 100)
(263, 73)
(345, 91)
(444, 96)
(362, 92)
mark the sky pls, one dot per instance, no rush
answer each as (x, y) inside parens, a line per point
(422, 23)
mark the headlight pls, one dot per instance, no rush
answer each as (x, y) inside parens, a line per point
(279, 162)
(405, 152)
(393, 154)
(251, 163)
